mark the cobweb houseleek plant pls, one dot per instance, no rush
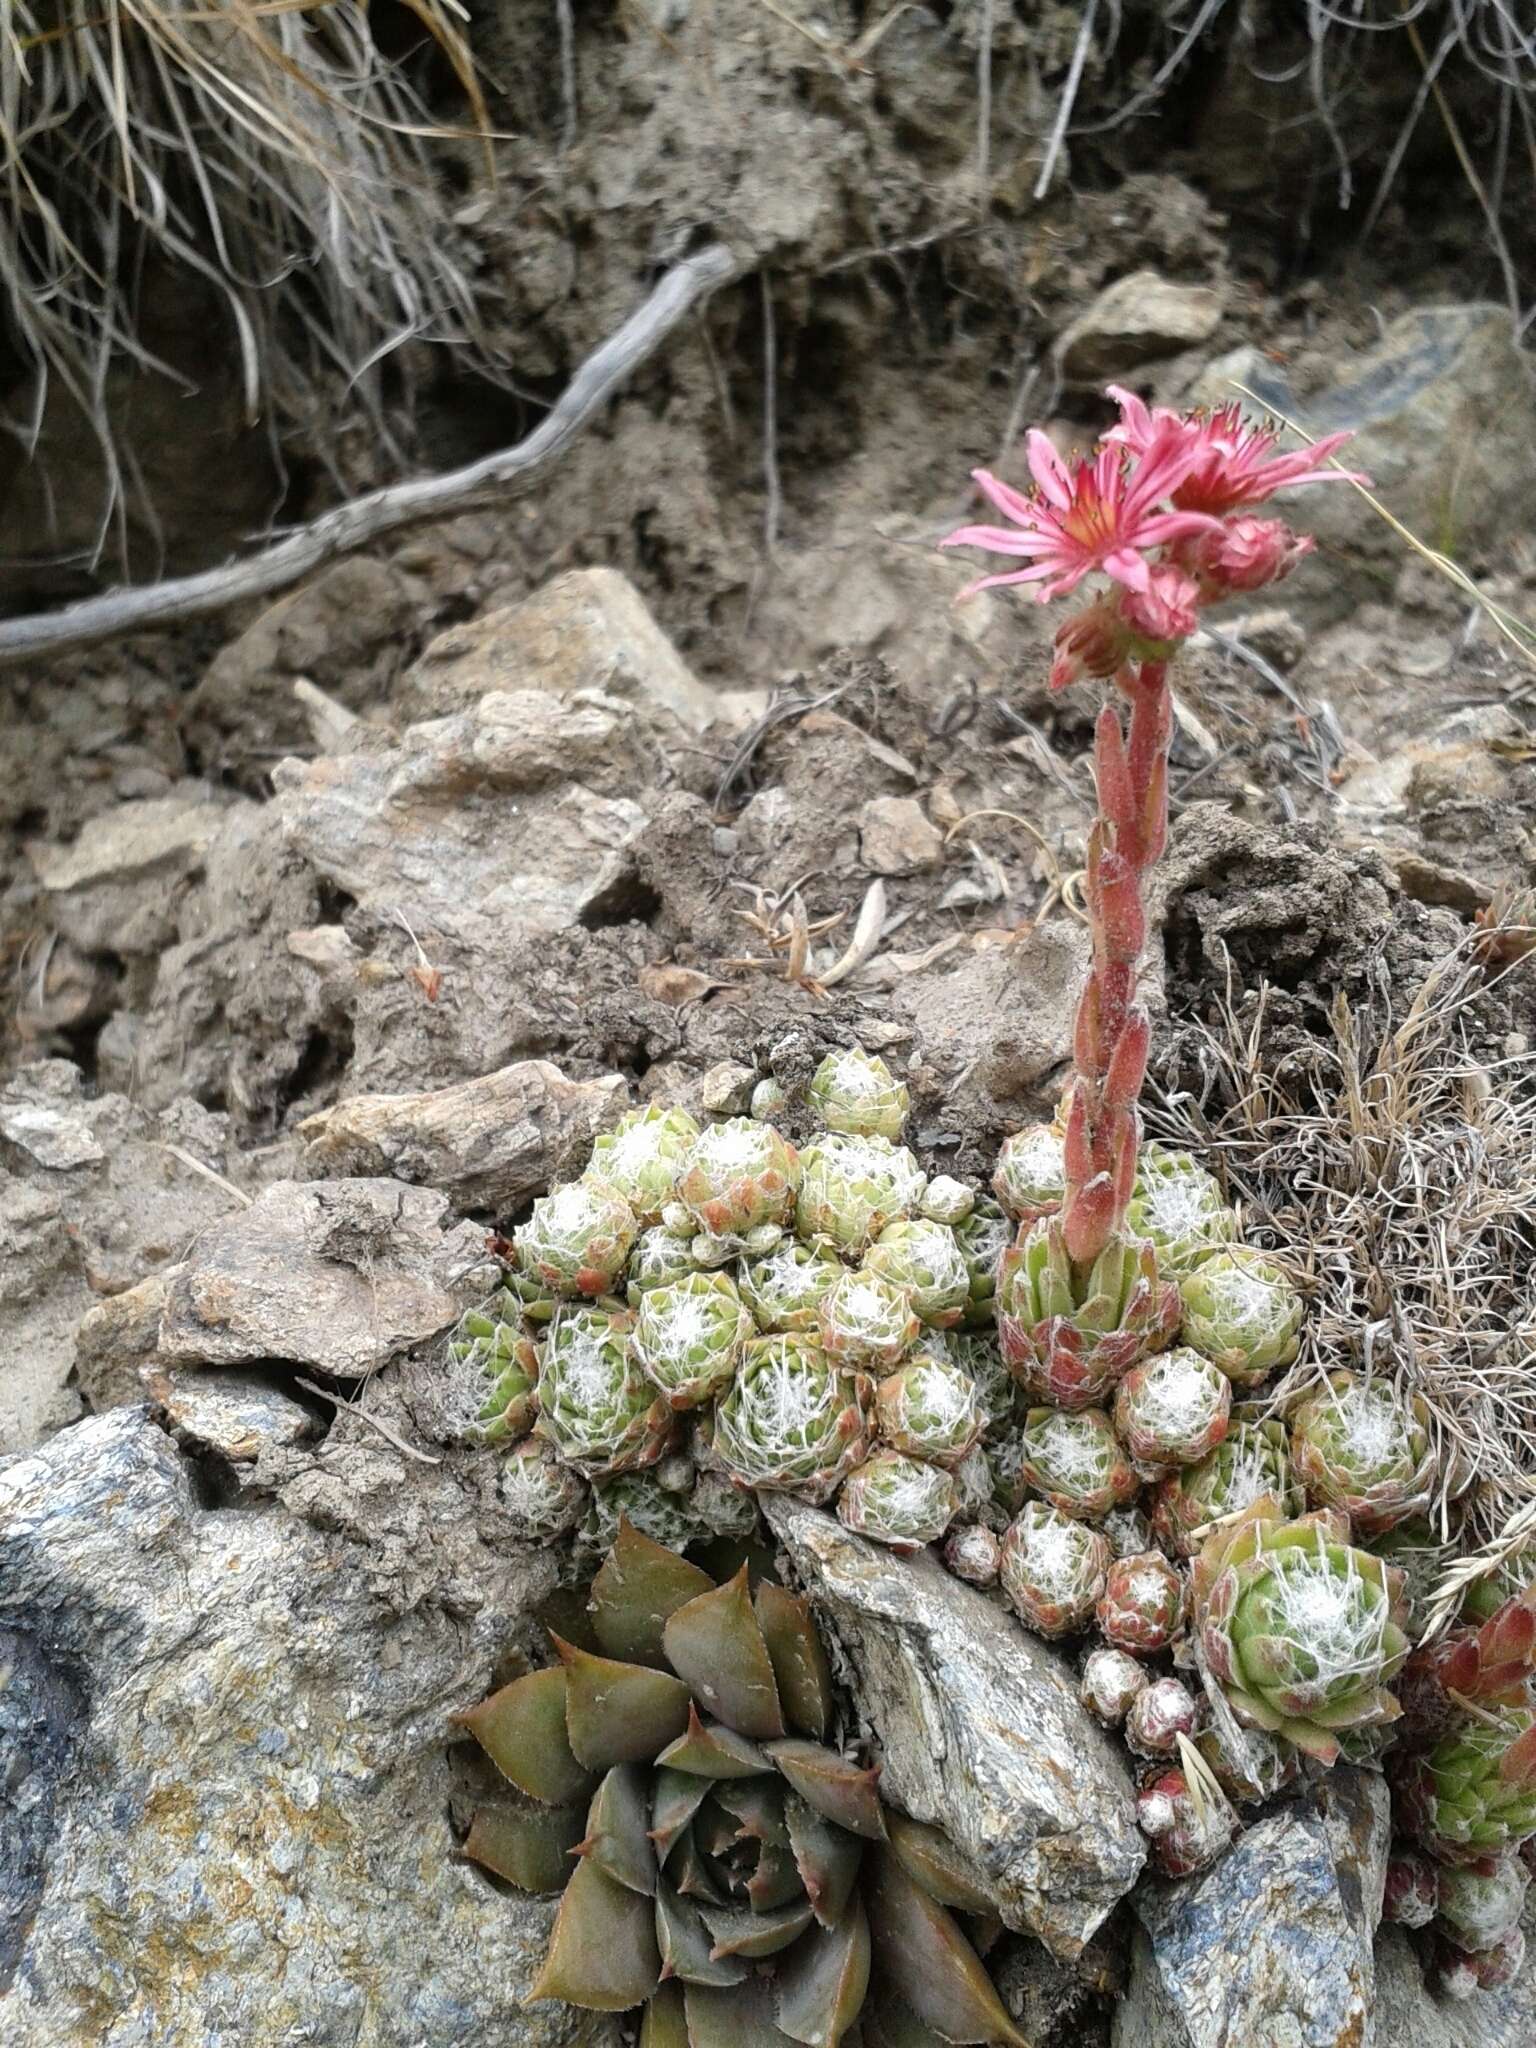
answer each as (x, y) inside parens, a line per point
(1164, 510)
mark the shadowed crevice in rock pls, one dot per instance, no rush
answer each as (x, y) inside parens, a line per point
(42, 1714)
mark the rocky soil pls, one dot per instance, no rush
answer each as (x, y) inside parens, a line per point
(334, 930)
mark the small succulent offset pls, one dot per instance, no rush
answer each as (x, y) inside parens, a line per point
(1302, 1632)
(793, 1420)
(930, 1408)
(734, 1876)
(1473, 1794)
(899, 1500)
(1031, 1177)
(1249, 1464)
(856, 1093)
(642, 1156)
(852, 1187)
(1179, 1207)
(1173, 1409)
(688, 1337)
(1073, 1460)
(577, 1239)
(1052, 1569)
(1242, 1312)
(738, 1185)
(1142, 1605)
(923, 1257)
(596, 1407)
(1358, 1445)
(503, 1366)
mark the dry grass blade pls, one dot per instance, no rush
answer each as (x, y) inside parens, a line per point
(1393, 1163)
(264, 150)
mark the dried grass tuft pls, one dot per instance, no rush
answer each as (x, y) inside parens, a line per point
(1393, 1164)
(266, 147)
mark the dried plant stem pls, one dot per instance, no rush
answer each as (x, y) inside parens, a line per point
(366, 519)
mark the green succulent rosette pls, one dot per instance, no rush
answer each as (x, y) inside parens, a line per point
(542, 1497)
(502, 1366)
(659, 1257)
(784, 1289)
(688, 1337)
(1249, 1464)
(1052, 1569)
(792, 1420)
(1179, 1208)
(642, 1157)
(947, 1200)
(1302, 1632)
(1474, 1793)
(739, 1179)
(1485, 1596)
(577, 1239)
(1031, 1176)
(928, 1408)
(1479, 1908)
(1415, 1547)
(1070, 1335)
(898, 1500)
(1173, 1409)
(1142, 1605)
(852, 1187)
(866, 1320)
(1359, 1445)
(1242, 1312)
(1073, 1459)
(977, 1354)
(924, 1259)
(983, 1235)
(666, 1517)
(723, 1873)
(596, 1406)
(854, 1092)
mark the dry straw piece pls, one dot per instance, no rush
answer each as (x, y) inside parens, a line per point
(266, 150)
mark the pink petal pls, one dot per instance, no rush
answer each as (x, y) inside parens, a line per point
(1011, 503)
(1163, 527)
(1135, 425)
(1000, 540)
(1127, 567)
(1048, 470)
(1013, 576)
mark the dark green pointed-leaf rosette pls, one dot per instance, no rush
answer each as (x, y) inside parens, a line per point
(721, 1866)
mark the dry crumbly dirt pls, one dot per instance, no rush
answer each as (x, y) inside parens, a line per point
(1340, 817)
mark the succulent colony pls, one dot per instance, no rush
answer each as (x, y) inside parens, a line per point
(1070, 1384)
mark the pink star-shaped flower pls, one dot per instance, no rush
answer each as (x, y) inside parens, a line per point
(1101, 515)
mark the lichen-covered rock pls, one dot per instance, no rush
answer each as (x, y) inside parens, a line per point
(979, 1729)
(259, 1849)
(1273, 1943)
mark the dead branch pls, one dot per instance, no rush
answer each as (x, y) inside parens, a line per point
(361, 520)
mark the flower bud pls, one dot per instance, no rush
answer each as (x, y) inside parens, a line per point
(1168, 610)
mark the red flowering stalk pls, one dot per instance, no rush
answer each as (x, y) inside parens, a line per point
(1164, 510)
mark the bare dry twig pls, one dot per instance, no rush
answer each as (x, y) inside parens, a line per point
(353, 525)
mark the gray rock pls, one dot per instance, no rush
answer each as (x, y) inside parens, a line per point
(1273, 1943)
(343, 1275)
(1136, 320)
(588, 630)
(1442, 409)
(115, 888)
(1408, 2016)
(896, 837)
(95, 1193)
(979, 1729)
(259, 1849)
(493, 816)
(228, 1412)
(488, 1144)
